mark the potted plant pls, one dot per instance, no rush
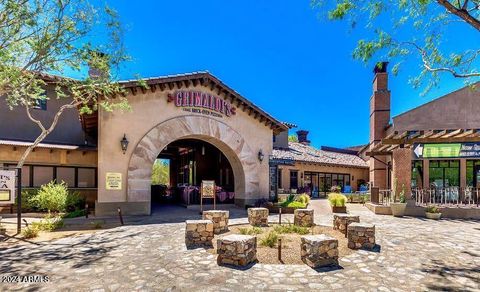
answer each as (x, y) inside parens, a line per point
(398, 208)
(432, 212)
(337, 201)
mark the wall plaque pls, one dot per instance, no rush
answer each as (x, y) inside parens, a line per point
(113, 181)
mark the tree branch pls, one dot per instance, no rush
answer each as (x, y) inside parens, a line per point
(462, 13)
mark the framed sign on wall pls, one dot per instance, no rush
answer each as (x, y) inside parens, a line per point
(113, 181)
(207, 191)
(7, 187)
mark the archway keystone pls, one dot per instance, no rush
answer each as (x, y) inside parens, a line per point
(226, 139)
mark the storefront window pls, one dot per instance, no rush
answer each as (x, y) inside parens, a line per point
(67, 175)
(42, 175)
(444, 173)
(86, 178)
(293, 179)
(417, 174)
(279, 178)
(473, 173)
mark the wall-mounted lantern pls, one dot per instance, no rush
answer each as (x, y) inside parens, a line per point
(124, 143)
(260, 155)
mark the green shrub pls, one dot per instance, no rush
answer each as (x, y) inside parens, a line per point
(432, 209)
(30, 232)
(270, 240)
(289, 228)
(296, 205)
(49, 223)
(75, 202)
(52, 197)
(74, 214)
(27, 203)
(337, 200)
(250, 231)
(303, 198)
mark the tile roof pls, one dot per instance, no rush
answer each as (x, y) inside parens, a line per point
(304, 153)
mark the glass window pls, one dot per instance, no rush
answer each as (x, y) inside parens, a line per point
(86, 178)
(444, 173)
(26, 176)
(67, 175)
(473, 167)
(417, 174)
(42, 175)
(279, 179)
(293, 179)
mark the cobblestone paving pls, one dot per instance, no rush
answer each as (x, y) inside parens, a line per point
(414, 255)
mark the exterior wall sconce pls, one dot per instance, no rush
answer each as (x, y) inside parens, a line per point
(261, 156)
(124, 143)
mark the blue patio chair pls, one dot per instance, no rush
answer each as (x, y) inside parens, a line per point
(347, 189)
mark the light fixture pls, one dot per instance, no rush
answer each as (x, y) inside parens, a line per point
(203, 150)
(124, 143)
(260, 155)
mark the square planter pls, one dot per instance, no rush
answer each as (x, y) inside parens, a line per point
(434, 216)
(398, 209)
(339, 209)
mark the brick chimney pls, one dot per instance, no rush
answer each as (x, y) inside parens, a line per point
(302, 137)
(379, 121)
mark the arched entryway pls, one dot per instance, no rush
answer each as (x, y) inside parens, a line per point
(241, 157)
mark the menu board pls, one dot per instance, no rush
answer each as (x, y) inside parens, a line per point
(7, 187)
(208, 189)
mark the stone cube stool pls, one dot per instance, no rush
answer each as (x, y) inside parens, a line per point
(341, 221)
(303, 217)
(361, 235)
(237, 250)
(198, 232)
(319, 250)
(219, 219)
(258, 216)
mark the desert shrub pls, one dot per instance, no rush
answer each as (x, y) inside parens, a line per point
(30, 232)
(289, 228)
(250, 231)
(97, 224)
(432, 209)
(337, 200)
(270, 240)
(296, 205)
(290, 199)
(52, 197)
(303, 198)
(49, 223)
(75, 202)
(27, 203)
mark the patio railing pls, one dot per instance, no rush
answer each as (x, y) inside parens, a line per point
(449, 196)
(385, 197)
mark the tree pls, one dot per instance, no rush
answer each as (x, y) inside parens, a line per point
(408, 28)
(59, 37)
(293, 138)
(161, 172)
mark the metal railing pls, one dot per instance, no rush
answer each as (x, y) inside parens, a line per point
(449, 196)
(385, 197)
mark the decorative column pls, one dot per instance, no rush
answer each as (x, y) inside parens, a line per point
(402, 171)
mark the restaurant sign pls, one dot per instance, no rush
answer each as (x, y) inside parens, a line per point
(202, 103)
(447, 150)
(7, 186)
(113, 181)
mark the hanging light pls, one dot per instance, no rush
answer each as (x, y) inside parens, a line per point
(203, 150)
(124, 143)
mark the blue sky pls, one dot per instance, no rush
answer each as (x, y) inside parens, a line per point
(282, 57)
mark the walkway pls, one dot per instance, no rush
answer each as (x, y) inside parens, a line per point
(415, 255)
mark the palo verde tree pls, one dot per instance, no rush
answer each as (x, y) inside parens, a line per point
(404, 29)
(59, 37)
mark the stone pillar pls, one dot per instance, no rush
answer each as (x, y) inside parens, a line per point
(463, 173)
(237, 250)
(219, 219)
(341, 221)
(402, 171)
(319, 250)
(303, 217)
(361, 235)
(258, 216)
(198, 233)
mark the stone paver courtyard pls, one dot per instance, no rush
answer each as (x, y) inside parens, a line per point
(414, 254)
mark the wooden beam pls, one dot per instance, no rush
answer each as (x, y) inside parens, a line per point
(439, 134)
(133, 90)
(153, 88)
(194, 82)
(162, 86)
(187, 83)
(143, 89)
(465, 133)
(453, 133)
(179, 84)
(171, 85)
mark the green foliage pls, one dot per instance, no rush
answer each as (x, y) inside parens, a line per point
(270, 240)
(290, 228)
(293, 138)
(304, 199)
(432, 209)
(403, 199)
(289, 200)
(54, 197)
(49, 223)
(27, 203)
(161, 172)
(74, 214)
(30, 232)
(250, 231)
(420, 31)
(295, 205)
(337, 200)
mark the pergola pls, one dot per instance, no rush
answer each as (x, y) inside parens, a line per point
(406, 139)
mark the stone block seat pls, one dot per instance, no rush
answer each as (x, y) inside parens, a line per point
(319, 250)
(303, 217)
(258, 216)
(198, 233)
(341, 221)
(237, 250)
(219, 219)
(361, 236)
